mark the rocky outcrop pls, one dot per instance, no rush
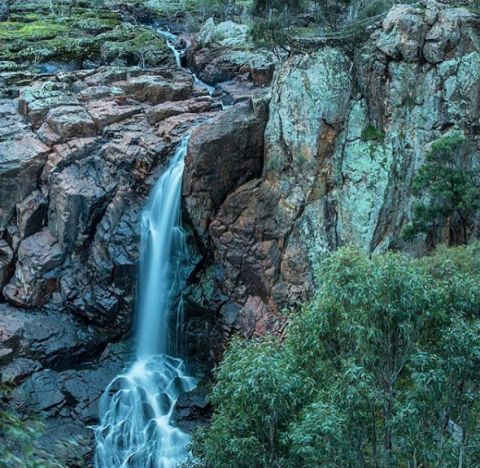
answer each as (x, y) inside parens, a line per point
(33, 284)
(29, 341)
(76, 179)
(342, 143)
(219, 52)
(68, 401)
(222, 155)
(79, 155)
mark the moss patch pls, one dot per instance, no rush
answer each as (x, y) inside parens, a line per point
(371, 133)
(34, 35)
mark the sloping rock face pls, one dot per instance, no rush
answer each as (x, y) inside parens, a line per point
(74, 182)
(326, 181)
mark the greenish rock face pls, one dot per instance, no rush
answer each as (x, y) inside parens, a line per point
(365, 168)
(309, 93)
(348, 159)
(226, 34)
(462, 89)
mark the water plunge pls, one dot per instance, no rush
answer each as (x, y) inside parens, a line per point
(135, 409)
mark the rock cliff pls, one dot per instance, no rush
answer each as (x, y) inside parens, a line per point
(344, 137)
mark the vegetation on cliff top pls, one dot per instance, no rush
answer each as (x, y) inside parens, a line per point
(381, 368)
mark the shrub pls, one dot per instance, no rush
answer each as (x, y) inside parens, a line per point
(449, 191)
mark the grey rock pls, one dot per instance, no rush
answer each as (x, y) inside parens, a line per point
(33, 283)
(18, 370)
(21, 162)
(54, 340)
(192, 410)
(31, 214)
(6, 262)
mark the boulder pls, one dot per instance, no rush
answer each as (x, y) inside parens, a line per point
(226, 34)
(157, 89)
(223, 154)
(79, 195)
(52, 339)
(21, 162)
(70, 121)
(403, 34)
(106, 112)
(31, 214)
(35, 102)
(192, 409)
(18, 370)
(220, 52)
(6, 262)
(168, 109)
(34, 280)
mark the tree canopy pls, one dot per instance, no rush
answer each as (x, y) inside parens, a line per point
(381, 368)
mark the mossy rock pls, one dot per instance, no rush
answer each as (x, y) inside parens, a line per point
(6, 66)
(34, 35)
(371, 133)
(131, 46)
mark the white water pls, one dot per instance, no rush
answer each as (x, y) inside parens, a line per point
(135, 409)
(171, 39)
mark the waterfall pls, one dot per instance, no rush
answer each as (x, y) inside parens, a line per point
(170, 39)
(135, 409)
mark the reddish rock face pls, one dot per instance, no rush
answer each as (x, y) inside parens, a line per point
(22, 159)
(38, 256)
(74, 174)
(223, 154)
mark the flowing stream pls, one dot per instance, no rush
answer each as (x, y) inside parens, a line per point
(171, 40)
(135, 409)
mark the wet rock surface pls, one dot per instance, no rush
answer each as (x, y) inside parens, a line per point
(192, 410)
(85, 166)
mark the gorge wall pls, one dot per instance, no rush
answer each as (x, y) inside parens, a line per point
(344, 137)
(323, 158)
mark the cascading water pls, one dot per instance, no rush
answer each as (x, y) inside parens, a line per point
(136, 407)
(170, 40)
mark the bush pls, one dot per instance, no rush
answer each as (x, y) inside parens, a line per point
(449, 192)
(381, 368)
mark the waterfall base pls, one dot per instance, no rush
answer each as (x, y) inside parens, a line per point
(135, 428)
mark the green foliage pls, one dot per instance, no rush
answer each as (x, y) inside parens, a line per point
(19, 445)
(272, 22)
(381, 368)
(255, 372)
(271, 32)
(450, 192)
(331, 11)
(370, 133)
(126, 42)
